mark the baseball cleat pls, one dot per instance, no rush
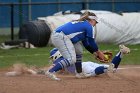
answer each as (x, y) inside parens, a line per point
(51, 76)
(111, 68)
(80, 75)
(124, 49)
(87, 75)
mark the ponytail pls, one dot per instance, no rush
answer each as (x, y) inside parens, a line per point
(85, 16)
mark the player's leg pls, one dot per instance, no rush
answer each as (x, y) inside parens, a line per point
(115, 62)
(93, 69)
(100, 70)
(67, 50)
(78, 64)
(117, 59)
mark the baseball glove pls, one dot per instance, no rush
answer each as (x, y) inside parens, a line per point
(107, 57)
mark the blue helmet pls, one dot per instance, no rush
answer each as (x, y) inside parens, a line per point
(55, 55)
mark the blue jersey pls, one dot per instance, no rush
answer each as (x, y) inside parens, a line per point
(77, 30)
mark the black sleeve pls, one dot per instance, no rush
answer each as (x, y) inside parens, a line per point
(90, 45)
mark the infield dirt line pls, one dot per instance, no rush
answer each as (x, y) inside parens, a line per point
(129, 68)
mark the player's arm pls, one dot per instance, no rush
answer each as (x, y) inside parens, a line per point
(92, 47)
(87, 44)
(90, 43)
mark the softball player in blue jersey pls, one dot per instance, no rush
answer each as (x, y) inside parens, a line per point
(69, 38)
(89, 68)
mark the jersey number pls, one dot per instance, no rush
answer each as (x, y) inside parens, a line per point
(75, 22)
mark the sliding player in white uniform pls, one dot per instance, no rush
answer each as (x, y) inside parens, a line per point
(91, 68)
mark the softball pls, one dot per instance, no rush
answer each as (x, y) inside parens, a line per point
(106, 57)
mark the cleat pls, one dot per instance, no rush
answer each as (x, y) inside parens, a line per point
(111, 68)
(87, 75)
(124, 49)
(80, 75)
(52, 76)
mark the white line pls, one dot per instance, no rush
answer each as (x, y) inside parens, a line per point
(22, 55)
(129, 68)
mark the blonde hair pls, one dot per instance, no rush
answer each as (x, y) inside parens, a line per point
(85, 16)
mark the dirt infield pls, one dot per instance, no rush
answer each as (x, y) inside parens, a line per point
(124, 81)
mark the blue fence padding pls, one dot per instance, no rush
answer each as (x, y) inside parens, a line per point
(43, 10)
(22, 15)
(4, 16)
(72, 7)
(101, 6)
(127, 7)
(45, 0)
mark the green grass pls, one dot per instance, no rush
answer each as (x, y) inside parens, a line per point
(39, 56)
(4, 38)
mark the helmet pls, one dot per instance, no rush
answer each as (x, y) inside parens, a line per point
(55, 55)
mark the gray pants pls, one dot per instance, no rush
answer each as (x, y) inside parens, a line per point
(67, 49)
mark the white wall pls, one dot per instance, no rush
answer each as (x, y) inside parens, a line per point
(112, 28)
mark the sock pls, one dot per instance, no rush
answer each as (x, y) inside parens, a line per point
(117, 59)
(60, 65)
(78, 64)
(56, 68)
(100, 70)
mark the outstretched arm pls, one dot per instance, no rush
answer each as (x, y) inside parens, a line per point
(92, 47)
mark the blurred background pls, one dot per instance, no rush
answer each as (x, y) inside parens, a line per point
(23, 12)
(15, 15)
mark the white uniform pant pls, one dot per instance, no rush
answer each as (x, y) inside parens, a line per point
(89, 67)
